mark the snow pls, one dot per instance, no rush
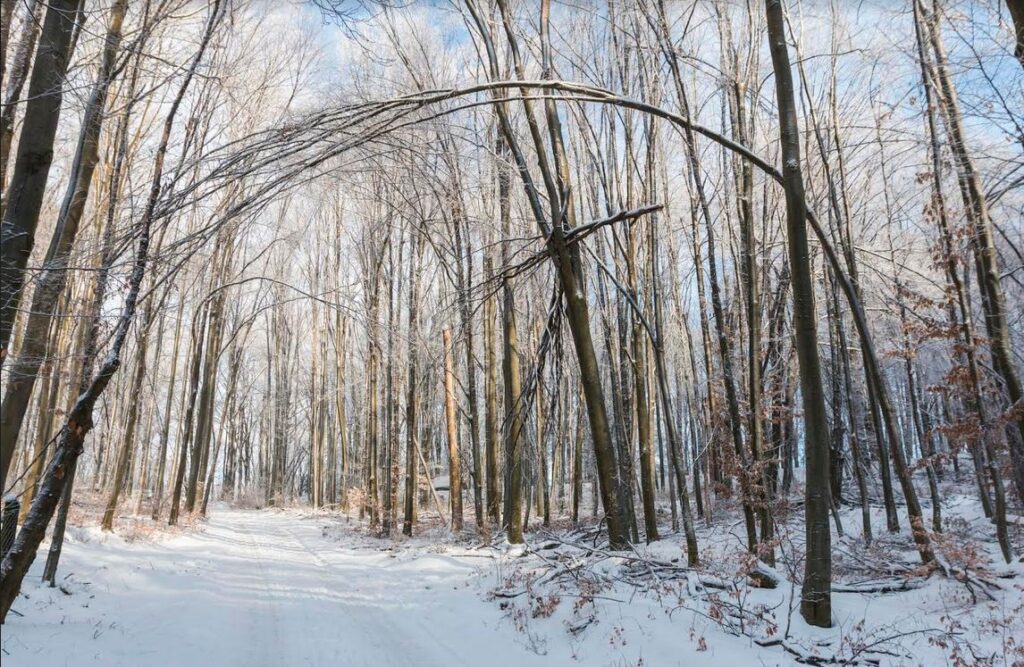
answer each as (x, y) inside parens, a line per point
(255, 588)
(294, 587)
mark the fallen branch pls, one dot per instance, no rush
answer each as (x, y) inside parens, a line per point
(883, 586)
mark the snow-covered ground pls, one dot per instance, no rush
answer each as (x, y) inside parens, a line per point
(291, 587)
(256, 588)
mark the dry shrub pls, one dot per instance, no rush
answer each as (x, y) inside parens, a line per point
(250, 499)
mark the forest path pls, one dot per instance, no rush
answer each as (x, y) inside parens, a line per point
(261, 588)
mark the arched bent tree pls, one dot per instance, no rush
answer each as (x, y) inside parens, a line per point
(379, 118)
(293, 152)
(360, 125)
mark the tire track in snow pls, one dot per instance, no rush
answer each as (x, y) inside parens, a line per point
(400, 637)
(265, 651)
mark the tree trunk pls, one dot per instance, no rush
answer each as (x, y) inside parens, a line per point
(750, 278)
(22, 215)
(1016, 8)
(643, 412)
(198, 325)
(511, 376)
(542, 477)
(465, 250)
(60, 471)
(491, 425)
(815, 595)
(204, 420)
(411, 425)
(982, 242)
(121, 467)
(454, 464)
(23, 198)
(16, 79)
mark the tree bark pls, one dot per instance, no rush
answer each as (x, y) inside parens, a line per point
(451, 421)
(16, 80)
(23, 198)
(411, 425)
(1016, 8)
(815, 595)
(124, 452)
(491, 425)
(19, 225)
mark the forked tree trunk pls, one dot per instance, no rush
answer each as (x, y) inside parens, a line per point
(643, 412)
(750, 278)
(198, 325)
